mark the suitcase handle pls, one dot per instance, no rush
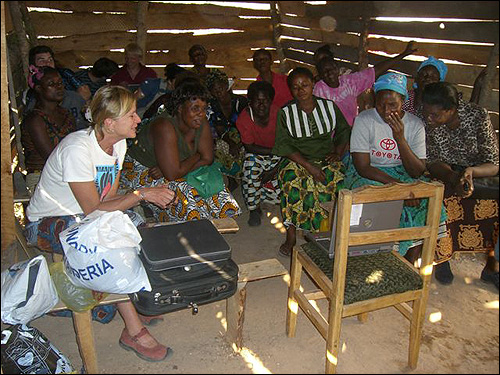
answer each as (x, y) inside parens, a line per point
(177, 298)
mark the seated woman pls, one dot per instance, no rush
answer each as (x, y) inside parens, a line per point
(430, 71)
(198, 56)
(81, 176)
(169, 148)
(388, 145)
(311, 172)
(224, 109)
(46, 124)
(463, 153)
(257, 126)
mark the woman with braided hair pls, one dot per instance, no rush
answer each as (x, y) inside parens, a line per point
(47, 123)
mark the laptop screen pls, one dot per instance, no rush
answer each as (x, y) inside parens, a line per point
(370, 217)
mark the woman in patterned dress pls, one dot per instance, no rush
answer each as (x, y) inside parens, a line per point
(463, 153)
(311, 171)
(168, 148)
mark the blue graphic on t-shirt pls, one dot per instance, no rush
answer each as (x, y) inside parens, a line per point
(105, 178)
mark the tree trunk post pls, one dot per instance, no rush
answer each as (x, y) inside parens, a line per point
(275, 20)
(490, 76)
(8, 231)
(142, 9)
(17, 21)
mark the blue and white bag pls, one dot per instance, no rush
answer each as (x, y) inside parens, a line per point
(101, 253)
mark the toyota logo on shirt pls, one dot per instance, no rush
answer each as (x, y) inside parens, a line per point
(388, 144)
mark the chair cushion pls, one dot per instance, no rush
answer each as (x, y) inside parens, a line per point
(368, 276)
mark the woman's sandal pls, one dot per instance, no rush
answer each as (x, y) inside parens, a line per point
(285, 250)
(155, 354)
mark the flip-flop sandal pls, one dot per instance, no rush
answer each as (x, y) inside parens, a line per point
(284, 251)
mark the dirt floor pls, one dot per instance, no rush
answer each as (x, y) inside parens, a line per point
(460, 334)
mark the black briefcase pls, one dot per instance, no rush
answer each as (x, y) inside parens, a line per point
(188, 264)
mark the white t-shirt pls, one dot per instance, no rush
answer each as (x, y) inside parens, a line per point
(77, 158)
(372, 135)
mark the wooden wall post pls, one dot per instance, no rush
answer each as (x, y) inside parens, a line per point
(28, 25)
(363, 41)
(490, 76)
(142, 9)
(365, 100)
(275, 20)
(8, 231)
(17, 21)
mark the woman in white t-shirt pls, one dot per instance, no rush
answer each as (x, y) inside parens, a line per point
(388, 145)
(80, 176)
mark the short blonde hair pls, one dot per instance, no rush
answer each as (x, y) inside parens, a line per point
(134, 49)
(110, 102)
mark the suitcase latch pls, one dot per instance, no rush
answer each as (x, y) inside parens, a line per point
(176, 297)
(194, 308)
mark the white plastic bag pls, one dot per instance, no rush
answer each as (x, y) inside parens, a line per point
(102, 254)
(27, 291)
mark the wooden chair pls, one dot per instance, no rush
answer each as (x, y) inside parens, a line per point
(357, 285)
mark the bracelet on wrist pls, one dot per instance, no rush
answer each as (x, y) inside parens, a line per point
(140, 195)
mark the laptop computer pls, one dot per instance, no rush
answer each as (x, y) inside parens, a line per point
(364, 218)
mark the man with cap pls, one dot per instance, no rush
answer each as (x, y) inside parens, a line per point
(430, 71)
(388, 145)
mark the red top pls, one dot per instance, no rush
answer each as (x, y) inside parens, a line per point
(123, 78)
(254, 134)
(282, 93)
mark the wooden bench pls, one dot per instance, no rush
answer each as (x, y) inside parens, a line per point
(235, 311)
(235, 306)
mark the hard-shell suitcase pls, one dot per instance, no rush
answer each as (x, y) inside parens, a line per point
(183, 287)
(188, 264)
(183, 244)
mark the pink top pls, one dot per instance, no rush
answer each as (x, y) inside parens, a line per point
(345, 96)
(254, 134)
(282, 93)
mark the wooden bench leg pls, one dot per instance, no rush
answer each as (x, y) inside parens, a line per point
(85, 340)
(363, 317)
(235, 316)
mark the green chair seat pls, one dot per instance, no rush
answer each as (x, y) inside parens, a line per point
(368, 276)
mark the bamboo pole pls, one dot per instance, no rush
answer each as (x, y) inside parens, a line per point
(490, 76)
(8, 231)
(142, 9)
(17, 21)
(275, 20)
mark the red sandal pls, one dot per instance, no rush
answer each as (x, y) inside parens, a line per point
(154, 354)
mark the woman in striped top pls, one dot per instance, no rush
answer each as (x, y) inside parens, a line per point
(311, 133)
